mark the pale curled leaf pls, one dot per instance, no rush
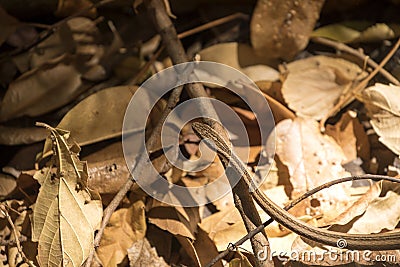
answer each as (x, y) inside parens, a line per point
(66, 214)
(313, 85)
(383, 105)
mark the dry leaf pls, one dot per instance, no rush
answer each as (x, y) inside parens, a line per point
(240, 262)
(243, 58)
(312, 159)
(67, 8)
(66, 213)
(280, 29)
(107, 169)
(142, 254)
(7, 184)
(176, 220)
(383, 105)
(356, 209)
(313, 85)
(17, 136)
(384, 212)
(126, 226)
(8, 25)
(41, 90)
(187, 246)
(100, 124)
(205, 248)
(226, 226)
(349, 133)
(76, 36)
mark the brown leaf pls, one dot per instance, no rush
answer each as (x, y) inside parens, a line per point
(17, 136)
(107, 169)
(243, 58)
(311, 158)
(282, 28)
(188, 247)
(205, 248)
(8, 24)
(126, 226)
(7, 184)
(67, 8)
(350, 135)
(176, 220)
(142, 254)
(100, 124)
(40, 91)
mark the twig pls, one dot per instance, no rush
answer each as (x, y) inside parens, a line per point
(350, 96)
(345, 48)
(3, 210)
(212, 24)
(309, 193)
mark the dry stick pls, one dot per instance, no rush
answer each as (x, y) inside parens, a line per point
(212, 24)
(295, 202)
(16, 236)
(345, 48)
(346, 99)
(178, 55)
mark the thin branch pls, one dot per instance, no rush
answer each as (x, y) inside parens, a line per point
(212, 24)
(350, 96)
(297, 201)
(16, 234)
(345, 48)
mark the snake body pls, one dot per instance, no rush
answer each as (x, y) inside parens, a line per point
(381, 241)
